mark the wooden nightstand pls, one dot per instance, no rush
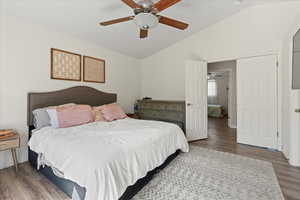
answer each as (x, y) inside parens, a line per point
(11, 143)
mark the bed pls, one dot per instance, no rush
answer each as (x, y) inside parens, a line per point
(132, 150)
(216, 111)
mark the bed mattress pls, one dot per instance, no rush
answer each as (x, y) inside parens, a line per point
(107, 157)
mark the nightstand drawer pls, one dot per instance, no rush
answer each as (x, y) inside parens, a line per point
(8, 144)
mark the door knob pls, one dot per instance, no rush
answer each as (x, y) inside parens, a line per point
(188, 104)
(297, 110)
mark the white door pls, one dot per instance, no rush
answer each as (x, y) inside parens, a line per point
(257, 101)
(196, 100)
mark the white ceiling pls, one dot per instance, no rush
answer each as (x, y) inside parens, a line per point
(81, 17)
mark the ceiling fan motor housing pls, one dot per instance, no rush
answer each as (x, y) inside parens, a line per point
(146, 4)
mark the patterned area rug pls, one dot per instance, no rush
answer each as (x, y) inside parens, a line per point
(204, 174)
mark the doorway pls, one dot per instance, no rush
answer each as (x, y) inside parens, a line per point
(256, 102)
(221, 98)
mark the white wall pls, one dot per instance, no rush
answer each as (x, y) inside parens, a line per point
(229, 66)
(1, 50)
(2, 59)
(255, 31)
(27, 69)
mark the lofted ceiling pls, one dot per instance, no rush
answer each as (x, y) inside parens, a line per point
(81, 19)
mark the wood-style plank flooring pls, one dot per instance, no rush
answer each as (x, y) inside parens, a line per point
(222, 138)
(27, 184)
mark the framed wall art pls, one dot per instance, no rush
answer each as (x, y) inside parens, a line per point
(65, 65)
(93, 70)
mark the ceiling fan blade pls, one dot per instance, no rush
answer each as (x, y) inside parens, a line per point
(115, 21)
(143, 33)
(172, 22)
(131, 4)
(164, 4)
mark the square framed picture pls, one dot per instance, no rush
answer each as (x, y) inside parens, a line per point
(65, 65)
(93, 69)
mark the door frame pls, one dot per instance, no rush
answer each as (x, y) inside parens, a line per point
(279, 89)
(230, 100)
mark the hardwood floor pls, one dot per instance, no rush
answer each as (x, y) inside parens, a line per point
(222, 138)
(27, 184)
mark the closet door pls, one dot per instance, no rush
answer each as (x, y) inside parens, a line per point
(196, 100)
(257, 101)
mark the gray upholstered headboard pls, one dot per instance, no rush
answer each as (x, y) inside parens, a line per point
(78, 95)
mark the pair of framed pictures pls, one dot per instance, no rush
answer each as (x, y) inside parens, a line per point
(69, 66)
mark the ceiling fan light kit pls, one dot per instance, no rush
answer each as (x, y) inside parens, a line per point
(146, 21)
(146, 15)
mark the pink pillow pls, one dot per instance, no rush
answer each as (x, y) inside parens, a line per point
(97, 112)
(74, 115)
(112, 112)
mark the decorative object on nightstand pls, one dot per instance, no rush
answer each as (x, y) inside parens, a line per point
(132, 115)
(10, 140)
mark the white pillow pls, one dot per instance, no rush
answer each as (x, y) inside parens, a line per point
(53, 118)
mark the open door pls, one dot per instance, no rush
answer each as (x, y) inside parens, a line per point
(257, 101)
(196, 100)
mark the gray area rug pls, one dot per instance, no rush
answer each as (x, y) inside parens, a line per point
(204, 174)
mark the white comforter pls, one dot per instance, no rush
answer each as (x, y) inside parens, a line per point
(107, 157)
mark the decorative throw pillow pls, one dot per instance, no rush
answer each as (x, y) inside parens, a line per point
(41, 117)
(112, 112)
(97, 112)
(70, 116)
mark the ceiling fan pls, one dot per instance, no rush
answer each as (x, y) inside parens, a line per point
(146, 15)
(212, 75)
